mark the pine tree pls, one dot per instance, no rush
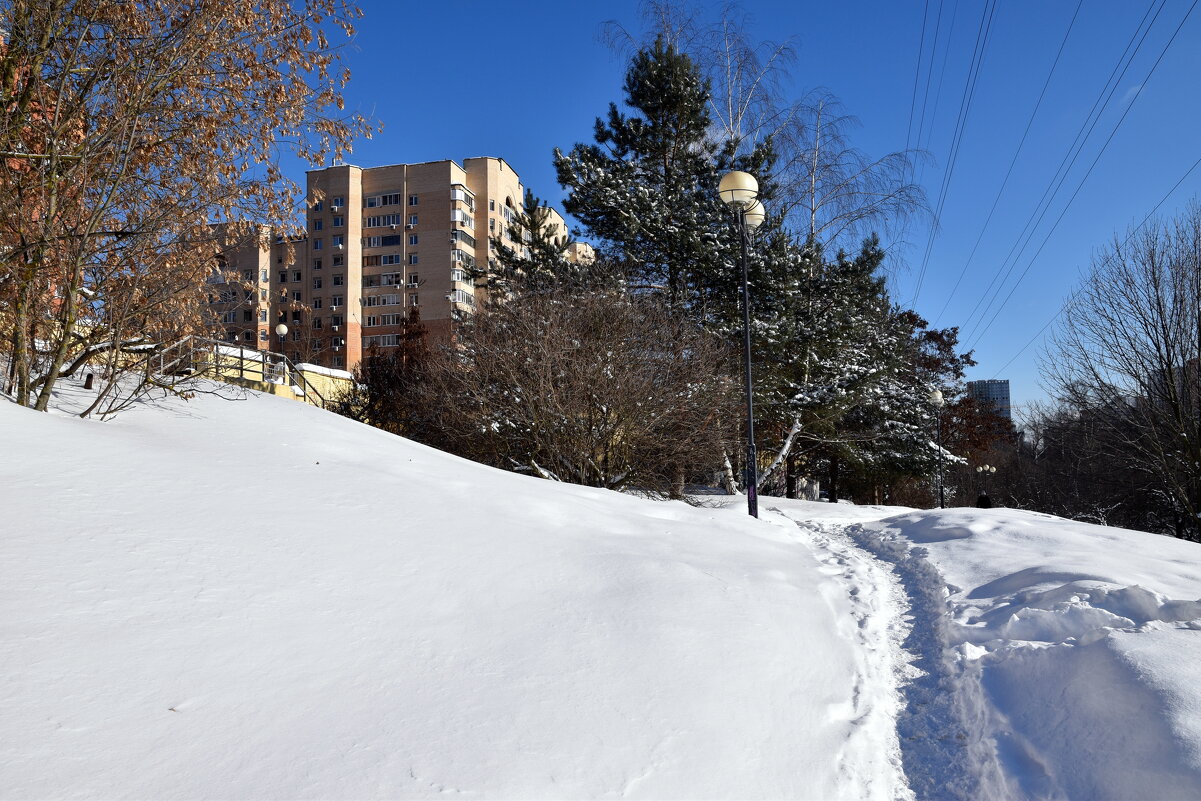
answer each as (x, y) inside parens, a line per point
(539, 260)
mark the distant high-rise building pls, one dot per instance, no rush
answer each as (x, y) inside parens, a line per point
(993, 392)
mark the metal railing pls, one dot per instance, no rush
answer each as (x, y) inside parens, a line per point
(225, 361)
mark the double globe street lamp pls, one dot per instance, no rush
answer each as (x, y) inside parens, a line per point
(740, 191)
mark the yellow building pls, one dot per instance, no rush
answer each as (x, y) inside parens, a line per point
(380, 241)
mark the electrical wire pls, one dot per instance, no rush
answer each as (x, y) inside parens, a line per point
(1092, 166)
(1005, 182)
(1001, 276)
(1072, 298)
(983, 32)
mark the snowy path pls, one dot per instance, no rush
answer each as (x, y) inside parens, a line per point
(933, 701)
(870, 609)
(1047, 659)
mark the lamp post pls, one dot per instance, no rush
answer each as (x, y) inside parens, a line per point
(984, 471)
(739, 191)
(938, 402)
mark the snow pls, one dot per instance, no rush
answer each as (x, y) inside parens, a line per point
(329, 371)
(258, 599)
(253, 598)
(1076, 647)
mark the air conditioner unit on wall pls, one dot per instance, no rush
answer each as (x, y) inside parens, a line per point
(337, 328)
(410, 227)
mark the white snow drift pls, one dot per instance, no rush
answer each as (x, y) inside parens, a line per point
(255, 599)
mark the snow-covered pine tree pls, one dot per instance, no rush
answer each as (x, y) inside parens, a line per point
(532, 255)
(647, 189)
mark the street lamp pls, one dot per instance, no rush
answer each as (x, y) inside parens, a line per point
(938, 402)
(740, 190)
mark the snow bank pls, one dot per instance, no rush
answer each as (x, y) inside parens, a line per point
(1075, 648)
(257, 599)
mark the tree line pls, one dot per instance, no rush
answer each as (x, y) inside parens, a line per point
(623, 372)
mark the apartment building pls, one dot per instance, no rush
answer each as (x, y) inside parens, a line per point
(380, 242)
(994, 393)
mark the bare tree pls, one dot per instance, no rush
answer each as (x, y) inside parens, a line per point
(595, 388)
(127, 130)
(1127, 357)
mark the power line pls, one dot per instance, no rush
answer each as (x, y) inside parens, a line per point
(1072, 298)
(1086, 175)
(917, 73)
(1012, 162)
(969, 92)
(929, 76)
(1065, 165)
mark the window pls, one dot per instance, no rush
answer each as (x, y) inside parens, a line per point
(339, 361)
(295, 336)
(316, 283)
(317, 205)
(412, 258)
(263, 276)
(316, 225)
(297, 277)
(391, 319)
(391, 279)
(339, 240)
(381, 241)
(336, 320)
(339, 222)
(371, 261)
(337, 261)
(229, 317)
(316, 303)
(317, 323)
(458, 275)
(413, 300)
(338, 201)
(382, 200)
(316, 264)
(372, 321)
(339, 280)
(383, 341)
(336, 301)
(382, 300)
(317, 243)
(263, 295)
(459, 296)
(296, 317)
(491, 223)
(370, 281)
(248, 336)
(492, 204)
(262, 315)
(413, 280)
(464, 237)
(390, 258)
(263, 336)
(381, 220)
(296, 296)
(412, 239)
(412, 219)
(412, 200)
(337, 342)
(283, 276)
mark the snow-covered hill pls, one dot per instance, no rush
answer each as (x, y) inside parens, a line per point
(255, 599)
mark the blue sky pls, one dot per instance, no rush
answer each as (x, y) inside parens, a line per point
(455, 80)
